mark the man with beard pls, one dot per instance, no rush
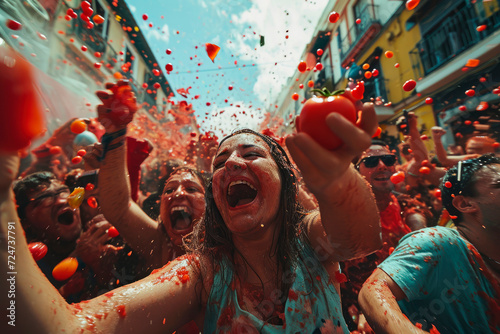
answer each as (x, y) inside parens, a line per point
(47, 218)
(377, 164)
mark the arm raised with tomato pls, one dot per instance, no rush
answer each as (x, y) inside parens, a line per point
(331, 132)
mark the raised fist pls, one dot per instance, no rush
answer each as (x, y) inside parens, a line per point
(119, 105)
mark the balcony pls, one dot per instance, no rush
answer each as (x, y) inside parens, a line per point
(359, 35)
(89, 37)
(453, 36)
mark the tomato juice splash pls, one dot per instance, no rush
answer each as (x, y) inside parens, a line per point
(21, 119)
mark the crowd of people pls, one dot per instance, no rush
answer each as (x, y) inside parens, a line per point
(274, 236)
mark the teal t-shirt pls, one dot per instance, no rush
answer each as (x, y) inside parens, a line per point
(441, 274)
(313, 304)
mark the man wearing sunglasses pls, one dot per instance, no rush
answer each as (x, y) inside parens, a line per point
(376, 165)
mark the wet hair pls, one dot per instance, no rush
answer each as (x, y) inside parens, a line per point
(170, 165)
(188, 169)
(465, 186)
(212, 237)
(379, 142)
(26, 186)
(375, 142)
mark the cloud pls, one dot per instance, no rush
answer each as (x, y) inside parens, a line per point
(160, 34)
(132, 8)
(222, 121)
(274, 20)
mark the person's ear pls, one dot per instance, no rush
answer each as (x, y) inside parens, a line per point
(464, 204)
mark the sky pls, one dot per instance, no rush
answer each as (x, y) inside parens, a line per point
(256, 73)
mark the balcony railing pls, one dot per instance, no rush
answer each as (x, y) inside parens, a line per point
(359, 34)
(453, 36)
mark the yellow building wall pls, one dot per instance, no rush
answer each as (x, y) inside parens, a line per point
(401, 43)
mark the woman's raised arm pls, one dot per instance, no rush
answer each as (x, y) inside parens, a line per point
(160, 303)
(348, 225)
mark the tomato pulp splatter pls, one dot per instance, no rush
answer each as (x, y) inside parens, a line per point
(212, 51)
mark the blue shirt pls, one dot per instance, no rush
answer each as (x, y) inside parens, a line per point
(443, 281)
(312, 306)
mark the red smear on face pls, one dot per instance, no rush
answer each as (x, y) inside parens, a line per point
(212, 50)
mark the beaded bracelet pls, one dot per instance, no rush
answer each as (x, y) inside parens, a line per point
(107, 138)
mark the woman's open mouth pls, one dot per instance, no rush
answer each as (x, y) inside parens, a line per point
(181, 218)
(240, 193)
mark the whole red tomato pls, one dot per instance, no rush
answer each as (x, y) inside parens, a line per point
(314, 112)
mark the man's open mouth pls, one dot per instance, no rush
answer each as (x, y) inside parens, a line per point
(180, 218)
(66, 217)
(240, 193)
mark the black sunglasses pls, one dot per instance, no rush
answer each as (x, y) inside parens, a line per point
(370, 162)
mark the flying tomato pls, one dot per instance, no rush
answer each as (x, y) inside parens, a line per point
(38, 250)
(409, 85)
(113, 232)
(411, 4)
(333, 17)
(398, 177)
(470, 92)
(65, 269)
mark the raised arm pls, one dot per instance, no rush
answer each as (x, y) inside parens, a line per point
(378, 299)
(138, 230)
(160, 303)
(446, 160)
(420, 153)
(348, 225)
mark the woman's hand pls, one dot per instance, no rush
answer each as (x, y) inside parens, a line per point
(322, 168)
(119, 106)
